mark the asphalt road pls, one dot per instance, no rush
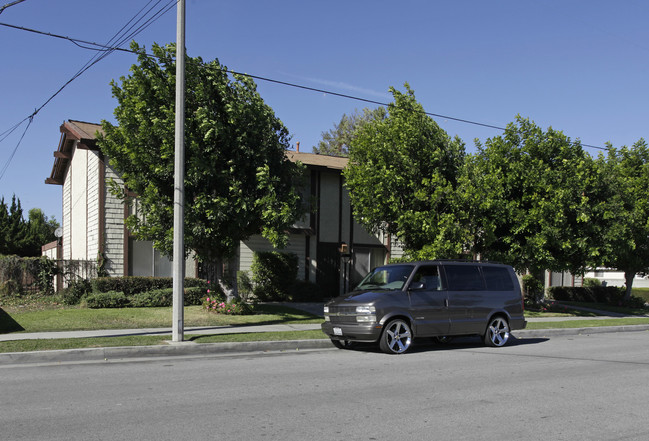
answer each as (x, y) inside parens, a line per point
(584, 387)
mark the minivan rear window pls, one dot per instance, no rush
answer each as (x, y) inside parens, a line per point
(464, 278)
(497, 278)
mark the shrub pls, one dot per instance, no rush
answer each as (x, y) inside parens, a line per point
(244, 285)
(112, 299)
(235, 307)
(611, 295)
(26, 274)
(304, 291)
(532, 289)
(589, 283)
(75, 291)
(273, 273)
(133, 285)
(156, 297)
(11, 275)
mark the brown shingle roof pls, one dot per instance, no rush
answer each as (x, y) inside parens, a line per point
(313, 159)
(86, 134)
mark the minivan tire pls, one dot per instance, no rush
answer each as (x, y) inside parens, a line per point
(396, 337)
(497, 333)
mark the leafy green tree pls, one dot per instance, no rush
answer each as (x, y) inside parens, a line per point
(623, 210)
(40, 231)
(238, 181)
(24, 237)
(336, 141)
(528, 196)
(4, 227)
(402, 177)
(13, 228)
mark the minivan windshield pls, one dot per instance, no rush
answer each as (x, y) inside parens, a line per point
(386, 277)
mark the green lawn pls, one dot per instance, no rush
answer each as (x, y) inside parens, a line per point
(643, 293)
(71, 319)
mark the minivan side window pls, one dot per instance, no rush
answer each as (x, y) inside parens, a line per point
(429, 276)
(464, 278)
(497, 278)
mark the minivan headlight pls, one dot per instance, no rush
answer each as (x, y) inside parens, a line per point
(365, 310)
(365, 314)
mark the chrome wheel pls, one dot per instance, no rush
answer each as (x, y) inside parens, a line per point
(396, 337)
(497, 333)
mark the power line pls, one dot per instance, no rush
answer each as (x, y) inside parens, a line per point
(107, 49)
(76, 41)
(13, 153)
(120, 40)
(9, 5)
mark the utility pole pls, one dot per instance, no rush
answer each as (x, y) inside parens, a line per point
(178, 326)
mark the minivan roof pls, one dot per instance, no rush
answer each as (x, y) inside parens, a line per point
(446, 261)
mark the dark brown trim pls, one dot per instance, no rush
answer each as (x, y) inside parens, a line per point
(86, 203)
(313, 208)
(87, 145)
(307, 257)
(351, 225)
(318, 197)
(62, 155)
(340, 209)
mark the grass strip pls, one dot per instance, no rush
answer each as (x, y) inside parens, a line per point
(151, 340)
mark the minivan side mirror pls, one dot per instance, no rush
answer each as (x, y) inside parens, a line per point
(416, 285)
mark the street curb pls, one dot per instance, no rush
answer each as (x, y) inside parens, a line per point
(185, 349)
(171, 350)
(550, 332)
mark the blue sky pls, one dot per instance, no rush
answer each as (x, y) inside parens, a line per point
(579, 66)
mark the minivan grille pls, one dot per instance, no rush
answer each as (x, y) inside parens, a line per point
(341, 320)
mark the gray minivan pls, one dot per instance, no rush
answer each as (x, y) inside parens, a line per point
(397, 302)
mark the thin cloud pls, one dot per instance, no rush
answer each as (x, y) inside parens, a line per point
(341, 86)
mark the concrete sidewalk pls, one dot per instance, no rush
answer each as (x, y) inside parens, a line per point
(211, 330)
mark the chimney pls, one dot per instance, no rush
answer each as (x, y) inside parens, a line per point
(297, 146)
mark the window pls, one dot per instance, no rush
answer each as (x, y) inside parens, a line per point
(146, 261)
(497, 278)
(464, 278)
(429, 276)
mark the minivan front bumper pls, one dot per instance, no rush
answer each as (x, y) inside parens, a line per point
(362, 332)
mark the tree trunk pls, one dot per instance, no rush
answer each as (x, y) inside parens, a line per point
(628, 277)
(226, 275)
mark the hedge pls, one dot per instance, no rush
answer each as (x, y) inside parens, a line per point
(610, 295)
(110, 299)
(273, 274)
(134, 285)
(155, 298)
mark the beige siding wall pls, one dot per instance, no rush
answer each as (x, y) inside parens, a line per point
(396, 249)
(81, 206)
(114, 225)
(67, 204)
(92, 212)
(78, 220)
(296, 245)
